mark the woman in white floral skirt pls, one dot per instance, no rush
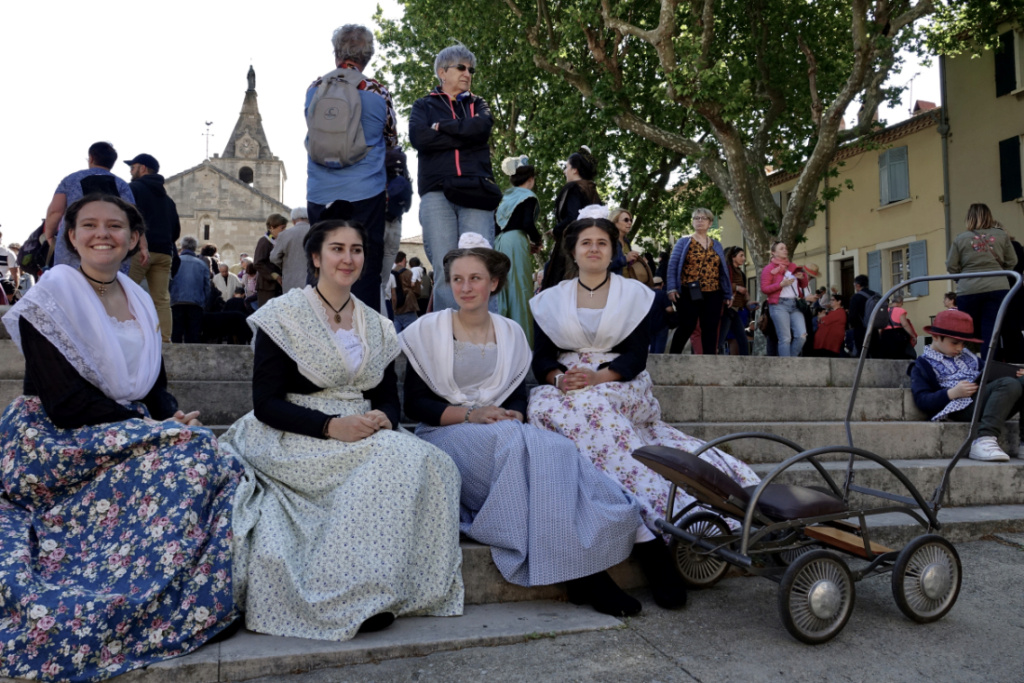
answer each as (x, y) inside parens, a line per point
(341, 523)
(590, 357)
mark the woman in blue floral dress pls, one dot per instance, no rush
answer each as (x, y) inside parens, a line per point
(115, 513)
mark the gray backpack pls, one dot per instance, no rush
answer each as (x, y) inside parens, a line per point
(334, 130)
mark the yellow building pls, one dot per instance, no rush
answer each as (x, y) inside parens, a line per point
(985, 105)
(889, 226)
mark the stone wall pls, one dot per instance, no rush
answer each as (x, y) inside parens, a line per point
(235, 213)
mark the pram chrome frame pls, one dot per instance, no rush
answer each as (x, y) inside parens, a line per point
(773, 549)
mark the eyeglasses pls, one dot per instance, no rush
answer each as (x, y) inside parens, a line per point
(701, 218)
(463, 67)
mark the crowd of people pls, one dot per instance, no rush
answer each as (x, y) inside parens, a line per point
(132, 535)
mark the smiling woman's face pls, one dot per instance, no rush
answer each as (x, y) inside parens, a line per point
(102, 236)
(341, 257)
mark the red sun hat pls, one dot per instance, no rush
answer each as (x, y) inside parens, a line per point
(954, 324)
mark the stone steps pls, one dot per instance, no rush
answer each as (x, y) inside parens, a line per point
(803, 399)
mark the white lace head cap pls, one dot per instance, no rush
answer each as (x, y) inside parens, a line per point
(470, 240)
(593, 211)
(510, 164)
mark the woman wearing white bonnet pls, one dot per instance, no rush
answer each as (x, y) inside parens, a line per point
(546, 512)
(518, 238)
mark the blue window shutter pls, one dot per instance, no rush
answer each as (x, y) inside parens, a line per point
(899, 174)
(883, 177)
(875, 271)
(919, 267)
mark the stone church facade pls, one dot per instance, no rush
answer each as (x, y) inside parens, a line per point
(226, 200)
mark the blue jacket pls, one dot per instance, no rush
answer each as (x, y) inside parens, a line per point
(675, 266)
(929, 396)
(191, 284)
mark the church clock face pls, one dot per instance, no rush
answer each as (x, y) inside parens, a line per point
(247, 147)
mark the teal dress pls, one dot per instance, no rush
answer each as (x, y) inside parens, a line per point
(516, 220)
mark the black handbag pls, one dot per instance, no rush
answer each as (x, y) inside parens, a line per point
(472, 192)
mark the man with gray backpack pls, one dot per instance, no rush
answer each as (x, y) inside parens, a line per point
(350, 122)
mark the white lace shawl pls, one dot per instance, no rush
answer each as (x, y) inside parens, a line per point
(298, 324)
(429, 346)
(66, 310)
(554, 310)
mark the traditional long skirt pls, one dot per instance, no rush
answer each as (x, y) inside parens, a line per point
(514, 298)
(329, 533)
(115, 544)
(611, 420)
(546, 512)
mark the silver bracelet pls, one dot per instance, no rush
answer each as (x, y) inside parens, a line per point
(558, 377)
(468, 413)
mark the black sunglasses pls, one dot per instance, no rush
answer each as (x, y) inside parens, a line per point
(463, 67)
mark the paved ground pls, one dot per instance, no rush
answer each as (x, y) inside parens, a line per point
(732, 633)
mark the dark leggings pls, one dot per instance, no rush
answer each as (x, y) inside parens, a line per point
(708, 311)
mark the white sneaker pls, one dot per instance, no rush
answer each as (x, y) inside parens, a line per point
(987, 448)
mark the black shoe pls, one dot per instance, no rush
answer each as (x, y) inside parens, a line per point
(601, 592)
(228, 631)
(378, 622)
(666, 587)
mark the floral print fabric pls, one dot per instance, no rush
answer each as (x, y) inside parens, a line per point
(329, 533)
(115, 544)
(611, 420)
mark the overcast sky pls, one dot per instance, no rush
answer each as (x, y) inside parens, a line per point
(146, 76)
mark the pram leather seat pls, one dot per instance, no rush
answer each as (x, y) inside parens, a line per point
(711, 486)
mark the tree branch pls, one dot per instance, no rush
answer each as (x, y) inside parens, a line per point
(707, 34)
(812, 78)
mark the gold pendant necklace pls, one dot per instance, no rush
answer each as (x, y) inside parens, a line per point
(337, 313)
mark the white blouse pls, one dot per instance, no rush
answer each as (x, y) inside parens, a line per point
(129, 338)
(474, 365)
(349, 343)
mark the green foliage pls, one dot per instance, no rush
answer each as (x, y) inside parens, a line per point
(970, 26)
(534, 114)
(684, 103)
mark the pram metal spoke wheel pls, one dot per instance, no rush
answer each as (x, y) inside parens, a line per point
(926, 578)
(697, 567)
(816, 596)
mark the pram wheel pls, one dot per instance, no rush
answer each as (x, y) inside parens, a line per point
(926, 578)
(698, 567)
(816, 596)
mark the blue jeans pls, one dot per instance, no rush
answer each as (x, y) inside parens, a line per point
(790, 326)
(403, 320)
(443, 223)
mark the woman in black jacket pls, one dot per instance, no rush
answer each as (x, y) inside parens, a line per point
(450, 129)
(578, 191)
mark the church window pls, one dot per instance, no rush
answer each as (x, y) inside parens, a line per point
(206, 231)
(245, 174)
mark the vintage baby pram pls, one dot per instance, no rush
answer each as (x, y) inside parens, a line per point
(815, 542)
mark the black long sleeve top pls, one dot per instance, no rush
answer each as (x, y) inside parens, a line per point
(275, 374)
(571, 198)
(71, 401)
(423, 405)
(631, 361)
(523, 218)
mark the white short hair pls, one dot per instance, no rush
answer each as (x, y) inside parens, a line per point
(299, 213)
